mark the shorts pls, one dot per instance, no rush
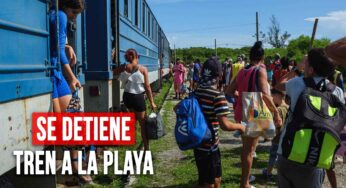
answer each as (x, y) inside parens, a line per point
(134, 101)
(60, 88)
(208, 165)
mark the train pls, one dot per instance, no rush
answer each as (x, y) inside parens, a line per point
(100, 36)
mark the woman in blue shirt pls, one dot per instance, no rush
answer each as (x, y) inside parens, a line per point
(68, 10)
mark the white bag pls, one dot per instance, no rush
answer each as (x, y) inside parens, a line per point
(256, 116)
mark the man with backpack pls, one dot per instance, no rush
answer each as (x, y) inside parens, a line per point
(215, 110)
(315, 119)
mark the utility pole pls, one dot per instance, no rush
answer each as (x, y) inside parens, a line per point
(313, 33)
(215, 49)
(257, 32)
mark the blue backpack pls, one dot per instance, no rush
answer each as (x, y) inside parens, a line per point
(191, 128)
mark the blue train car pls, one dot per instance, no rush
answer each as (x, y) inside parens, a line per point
(99, 36)
(165, 54)
(25, 75)
(115, 26)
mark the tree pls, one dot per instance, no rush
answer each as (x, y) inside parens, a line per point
(274, 34)
(298, 47)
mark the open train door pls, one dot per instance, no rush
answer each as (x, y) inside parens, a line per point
(98, 90)
(117, 91)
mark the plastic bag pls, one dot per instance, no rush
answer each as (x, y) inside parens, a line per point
(154, 126)
(256, 116)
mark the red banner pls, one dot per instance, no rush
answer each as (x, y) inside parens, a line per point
(83, 129)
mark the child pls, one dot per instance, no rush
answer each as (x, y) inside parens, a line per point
(215, 109)
(279, 101)
(183, 91)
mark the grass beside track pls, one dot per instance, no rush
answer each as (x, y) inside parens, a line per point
(116, 181)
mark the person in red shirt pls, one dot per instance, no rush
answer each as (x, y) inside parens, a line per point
(282, 71)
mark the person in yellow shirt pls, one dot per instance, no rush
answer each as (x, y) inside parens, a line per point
(236, 67)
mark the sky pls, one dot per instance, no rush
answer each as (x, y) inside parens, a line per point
(196, 23)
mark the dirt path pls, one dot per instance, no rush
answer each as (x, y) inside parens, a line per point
(165, 152)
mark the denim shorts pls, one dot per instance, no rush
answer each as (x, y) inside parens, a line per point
(60, 88)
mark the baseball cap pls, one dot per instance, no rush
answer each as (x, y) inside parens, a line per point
(212, 68)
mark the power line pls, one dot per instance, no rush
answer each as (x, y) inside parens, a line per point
(229, 44)
(211, 28)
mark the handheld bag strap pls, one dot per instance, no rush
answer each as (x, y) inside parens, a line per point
(75, 93)
(253, 81)
(249, 87)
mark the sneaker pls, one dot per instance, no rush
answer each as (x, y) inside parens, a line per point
(252, 178)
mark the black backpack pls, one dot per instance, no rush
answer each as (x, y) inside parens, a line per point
(313, 133)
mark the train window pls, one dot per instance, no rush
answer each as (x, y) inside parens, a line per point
(157, 33)
(153, 29)
(143, 18)
(126, 8)
(136, 13)
(149, 28)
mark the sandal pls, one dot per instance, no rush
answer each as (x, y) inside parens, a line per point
(81, 180)
(266, 174)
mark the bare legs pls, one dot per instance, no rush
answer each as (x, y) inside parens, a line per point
(331, 178)
(215, 185)
(60, 105)
(140, 116)
(249, 146)
(177, 87)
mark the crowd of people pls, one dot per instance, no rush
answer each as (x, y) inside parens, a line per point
(280, 81)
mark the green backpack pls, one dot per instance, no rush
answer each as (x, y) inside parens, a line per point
(312, 135)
